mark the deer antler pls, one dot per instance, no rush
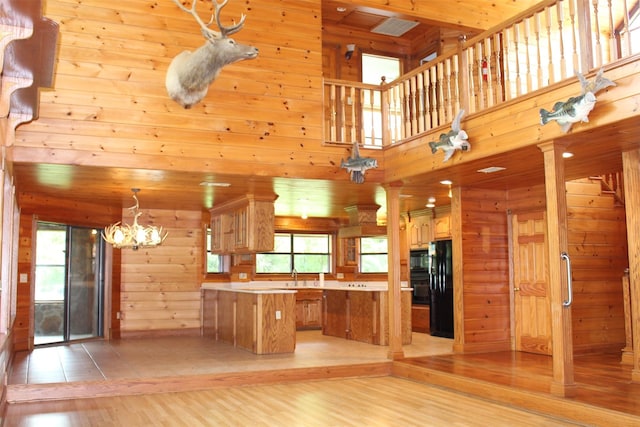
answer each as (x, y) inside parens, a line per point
(206, 31)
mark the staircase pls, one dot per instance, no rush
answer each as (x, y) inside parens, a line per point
(612, 184)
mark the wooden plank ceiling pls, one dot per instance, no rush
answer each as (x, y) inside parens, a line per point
(315, 196)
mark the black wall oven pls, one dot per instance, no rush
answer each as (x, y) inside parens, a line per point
(419, 276)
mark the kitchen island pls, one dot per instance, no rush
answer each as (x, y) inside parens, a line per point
(262, 321)
(361, 314)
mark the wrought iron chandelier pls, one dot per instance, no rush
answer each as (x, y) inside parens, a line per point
(134, 236)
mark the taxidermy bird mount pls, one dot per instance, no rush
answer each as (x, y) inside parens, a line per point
(357, 165)
(190, 73)
(455, 139)
(576, 109)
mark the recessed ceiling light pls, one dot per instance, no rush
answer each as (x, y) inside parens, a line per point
(491, 169)
(215, 184)
(341, 9)
(567, 155)
(405, 196)
(446, 182)
(430, 205)
(431, 199)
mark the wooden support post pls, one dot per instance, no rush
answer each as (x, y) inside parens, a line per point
(562, 343)
(631, 171)
(458, 261)
(394, 292)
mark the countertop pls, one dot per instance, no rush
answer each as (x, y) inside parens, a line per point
(284, 287)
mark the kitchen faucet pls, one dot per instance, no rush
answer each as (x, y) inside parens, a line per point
(294, 274)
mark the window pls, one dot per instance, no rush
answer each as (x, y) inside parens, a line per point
(373, 255)
(374, 67)
(306, 253)
(214, 261)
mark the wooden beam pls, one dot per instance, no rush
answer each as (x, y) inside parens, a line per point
(562, 345)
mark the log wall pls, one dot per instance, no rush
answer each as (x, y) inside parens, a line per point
(160, 291)
(110, 106)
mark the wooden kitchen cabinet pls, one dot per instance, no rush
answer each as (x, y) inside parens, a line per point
(309, 309)
(260, 321)
(244, 225)
(419, 230)
(216, 234)
(362, 315)
(442, 223)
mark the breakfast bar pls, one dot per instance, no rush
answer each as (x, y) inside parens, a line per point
(361, 314)
(262, 321)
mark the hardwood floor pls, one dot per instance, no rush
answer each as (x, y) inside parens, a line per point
(378, 401)
(103, 382)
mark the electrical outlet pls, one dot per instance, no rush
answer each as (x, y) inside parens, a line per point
(340, 276)
(278, 315)
(242, 276)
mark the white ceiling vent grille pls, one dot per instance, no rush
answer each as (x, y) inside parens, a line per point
(394, 27)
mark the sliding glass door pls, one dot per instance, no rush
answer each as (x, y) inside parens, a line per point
(69, 283)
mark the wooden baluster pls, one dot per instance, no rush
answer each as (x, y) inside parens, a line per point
(500, 97)
(473, 101)
(613, 50)
(427, 99)
(549, 45)
(455, 79)
(574, 38)
(393, 112)
(626, 43)
(480, 78)
(406, 109)
(343, 118)
(332, 113)
(447, 87)
(413, 113)
(441, 113)
(507, 65)
(360, 109)
(538, 51)
(516, 42)
(351, 102)
(372, 121)
(527, 54)
(421, 101)
(487, 73)
(596, 33)
(434, 97)
(563, 63)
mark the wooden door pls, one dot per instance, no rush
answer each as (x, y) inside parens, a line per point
(532, 309)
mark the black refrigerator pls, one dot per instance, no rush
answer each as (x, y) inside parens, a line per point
(441, 288)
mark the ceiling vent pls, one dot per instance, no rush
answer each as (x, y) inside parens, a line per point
(394, 27)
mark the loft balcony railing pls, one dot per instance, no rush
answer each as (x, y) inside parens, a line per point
(548, 43)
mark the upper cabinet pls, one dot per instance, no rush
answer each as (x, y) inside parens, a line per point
(244, 225)
(419, 230)
(442, 223)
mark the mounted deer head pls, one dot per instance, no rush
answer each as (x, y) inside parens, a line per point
(190, 73)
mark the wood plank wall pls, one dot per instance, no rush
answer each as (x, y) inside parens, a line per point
(110, 105)
(598, 251)
(597, 247)
(485, 270)
(160, 290)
